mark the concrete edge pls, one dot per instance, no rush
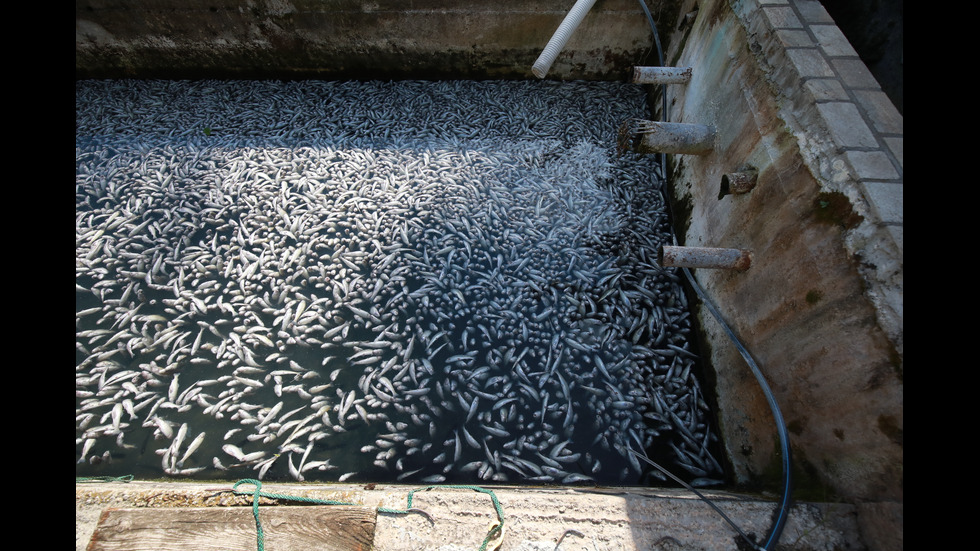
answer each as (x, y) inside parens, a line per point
(535, 518)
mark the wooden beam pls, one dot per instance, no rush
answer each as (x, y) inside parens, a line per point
(297, 528)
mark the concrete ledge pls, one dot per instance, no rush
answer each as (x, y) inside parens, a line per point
(534, 518)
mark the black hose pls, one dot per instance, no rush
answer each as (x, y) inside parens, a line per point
(660, 63)
(695, 492)
(784, 505)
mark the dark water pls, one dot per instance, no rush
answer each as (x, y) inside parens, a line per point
(422, 282)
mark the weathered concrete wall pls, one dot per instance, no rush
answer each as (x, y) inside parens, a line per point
(384, 39)
(821, 307)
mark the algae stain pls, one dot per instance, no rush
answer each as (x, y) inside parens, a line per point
(796, 426)
(895, 359)
(835, 208)
(813, 296)
(808, 481)
(890, 428)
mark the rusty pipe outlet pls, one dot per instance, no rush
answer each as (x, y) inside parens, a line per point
(661, 75)
(675, 137)
(737, 183)
(705, 257)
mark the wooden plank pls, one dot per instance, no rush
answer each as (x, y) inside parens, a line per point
(293, 528)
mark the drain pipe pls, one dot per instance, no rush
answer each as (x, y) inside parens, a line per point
(561, 36)
(662, 75)
(738, 183)
(705, 257)
(675, 137)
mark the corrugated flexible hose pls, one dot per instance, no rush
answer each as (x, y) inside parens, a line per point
(558, 40)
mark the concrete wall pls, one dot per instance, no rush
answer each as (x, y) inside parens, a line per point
(365, 39)
(821, 307)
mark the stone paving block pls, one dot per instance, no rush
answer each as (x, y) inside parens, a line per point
(898, 234)
(809, 63)
(897, 146)
(782, 18)
(846, 125)
(813, 11)
(826, 89)
(854, 73)
(832, 41)
(886, 200)
(872, 165)
(881, 110)
(794, 38)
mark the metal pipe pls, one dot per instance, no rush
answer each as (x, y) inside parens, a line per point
(661, 75)
(705, 257)
(568, 25)
(675, 137)
(738, 182)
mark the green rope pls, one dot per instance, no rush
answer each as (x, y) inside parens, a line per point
(126, 478)
(255, 509)
(257, 493)
(496, 504)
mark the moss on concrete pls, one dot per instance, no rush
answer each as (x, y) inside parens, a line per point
(813, 296)
(889, 426)
(833, 207)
